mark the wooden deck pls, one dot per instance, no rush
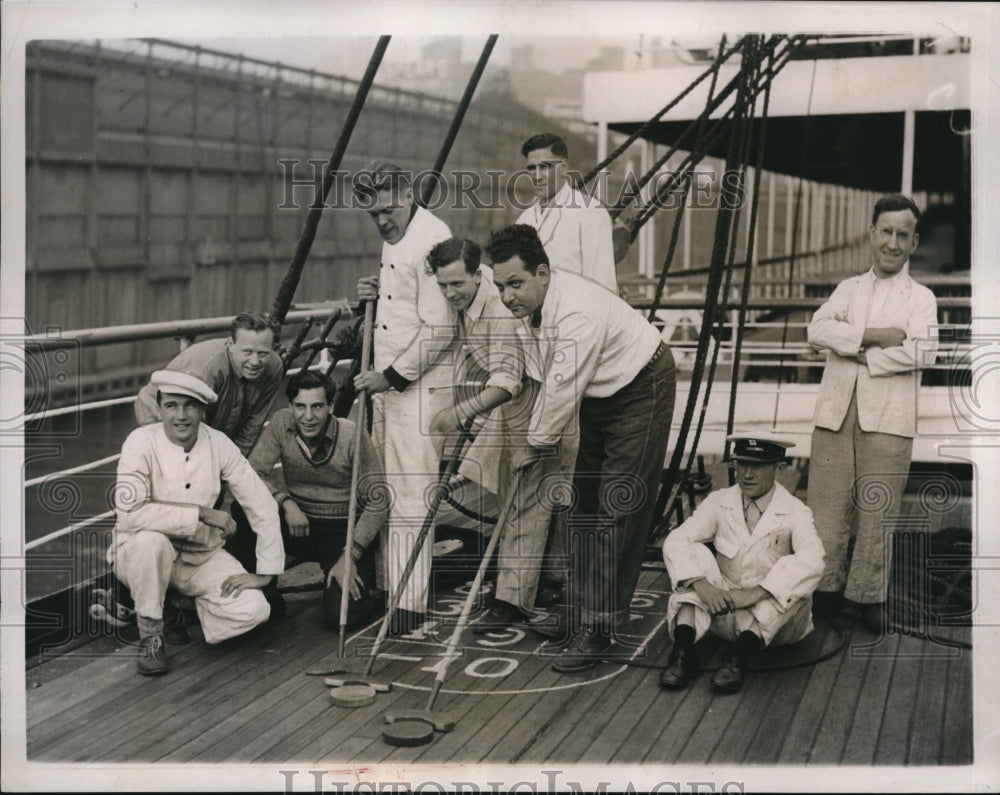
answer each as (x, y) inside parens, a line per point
(895, 700)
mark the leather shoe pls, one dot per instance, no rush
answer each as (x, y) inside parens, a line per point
(498, 618)
(729, 678)
(873, 616)
(548, 594)
(584, 651)
(682, 668)
(152, 659)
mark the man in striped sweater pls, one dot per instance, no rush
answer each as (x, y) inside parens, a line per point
(312, 489)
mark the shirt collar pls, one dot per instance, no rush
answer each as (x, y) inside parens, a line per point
(893, 280)
(475, 309)
(763, 501)
(328, 440)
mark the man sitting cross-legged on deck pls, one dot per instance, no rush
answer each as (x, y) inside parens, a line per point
(312, 488)
(756, 589)
(168, 534)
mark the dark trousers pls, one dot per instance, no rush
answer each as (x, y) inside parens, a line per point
(623, 442)
(323, 545)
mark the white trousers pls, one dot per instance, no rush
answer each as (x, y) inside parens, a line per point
(148, 563)
(412, 456)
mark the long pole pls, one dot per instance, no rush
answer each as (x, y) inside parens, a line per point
(355, 474)
(477, 583)
(283, 300)
(427, 192)
(397, 595)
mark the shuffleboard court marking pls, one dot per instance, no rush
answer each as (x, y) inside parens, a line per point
(566, 686)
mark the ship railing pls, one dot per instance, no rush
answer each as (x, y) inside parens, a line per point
(788, 352)
(184, 332)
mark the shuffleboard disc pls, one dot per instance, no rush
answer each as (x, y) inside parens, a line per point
(353, 696)
(408, 733)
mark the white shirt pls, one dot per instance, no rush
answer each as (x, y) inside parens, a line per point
(575, 231)
(160, 487)
(590, 343)
(413, 324)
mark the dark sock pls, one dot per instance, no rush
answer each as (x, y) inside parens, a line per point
(746, 644)
(683, 636)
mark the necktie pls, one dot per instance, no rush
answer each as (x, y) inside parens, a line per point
(753, 515)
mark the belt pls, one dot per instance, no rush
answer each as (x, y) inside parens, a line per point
(659, 352)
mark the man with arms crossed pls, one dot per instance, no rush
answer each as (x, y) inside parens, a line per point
(878, 329)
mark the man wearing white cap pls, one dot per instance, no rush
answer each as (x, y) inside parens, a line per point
(755, 590)
(169, 535)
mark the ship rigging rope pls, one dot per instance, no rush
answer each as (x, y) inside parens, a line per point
(346, 394)
(286, 291)
(748, 259)
(700, 145)
(726, 228)
(795, 228)
(713, 102)
(712, 70)
(739, 134)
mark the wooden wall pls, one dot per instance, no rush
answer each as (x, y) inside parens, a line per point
(156, 191)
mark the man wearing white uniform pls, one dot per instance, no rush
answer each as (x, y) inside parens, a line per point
(574, 228)
(411, 381)
(168, 534)
(601, 360)
(755, 590)
(878, 329)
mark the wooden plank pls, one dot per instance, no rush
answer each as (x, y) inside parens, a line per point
(867, 723)
(534, 721)
(752, 711)
(928, 727)
(120, 685)
(201, 671)
(483, 718)
(655, 738)
(842, 704)
(581, 715)
(765, 745)
(894, 738)
(578, 744)
(617, 731)
(276, 696)
(806, 721)
(957, 741)
(196, 709)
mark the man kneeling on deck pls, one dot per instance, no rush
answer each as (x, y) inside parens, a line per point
(756, 589)
(168, 534)
(313, 488)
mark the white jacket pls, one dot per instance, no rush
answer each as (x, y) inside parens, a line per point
(887, 387)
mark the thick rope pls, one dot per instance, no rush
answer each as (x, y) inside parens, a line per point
(738, 156)
(668, 493)
(745, 294)
(286, 291)
(795, 233)
(713, 70)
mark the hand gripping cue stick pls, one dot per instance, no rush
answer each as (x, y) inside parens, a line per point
(354, 694)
